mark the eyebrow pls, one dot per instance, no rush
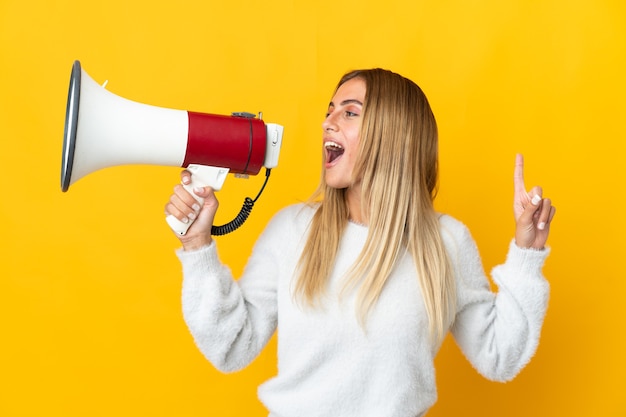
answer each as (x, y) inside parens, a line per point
(345, 102)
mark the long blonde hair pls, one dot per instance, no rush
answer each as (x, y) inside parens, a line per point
(397, 167)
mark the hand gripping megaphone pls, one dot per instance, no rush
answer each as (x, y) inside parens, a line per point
(104, 130)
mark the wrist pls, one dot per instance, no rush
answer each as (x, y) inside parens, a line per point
(529, 246)
(192, 243)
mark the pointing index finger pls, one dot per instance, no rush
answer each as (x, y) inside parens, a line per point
(518, 175)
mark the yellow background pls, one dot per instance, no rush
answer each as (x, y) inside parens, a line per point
(89, 285)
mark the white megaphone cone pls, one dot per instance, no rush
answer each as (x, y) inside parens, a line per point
(104, 130)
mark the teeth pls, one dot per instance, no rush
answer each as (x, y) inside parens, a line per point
(333, 151)
(332, 145)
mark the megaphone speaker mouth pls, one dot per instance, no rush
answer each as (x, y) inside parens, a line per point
(71, 126)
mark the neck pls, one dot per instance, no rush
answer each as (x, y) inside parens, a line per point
(353, 200)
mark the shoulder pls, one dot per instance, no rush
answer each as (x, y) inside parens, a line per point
(295, 214)
(452, 230)
(457, 239)
(291, 220)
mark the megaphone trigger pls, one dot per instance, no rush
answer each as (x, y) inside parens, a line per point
(201, 176)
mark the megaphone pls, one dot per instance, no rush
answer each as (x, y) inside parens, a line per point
(104, 130)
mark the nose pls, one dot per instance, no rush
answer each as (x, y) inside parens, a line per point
(329, 123)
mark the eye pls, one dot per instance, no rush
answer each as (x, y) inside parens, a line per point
(351, 114)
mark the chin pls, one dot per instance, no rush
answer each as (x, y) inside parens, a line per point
(335, 178)
(335, 183)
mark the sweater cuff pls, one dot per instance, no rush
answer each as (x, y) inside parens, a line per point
(525, 261)
(204, 258)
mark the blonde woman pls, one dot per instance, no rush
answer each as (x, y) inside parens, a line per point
(366, 280)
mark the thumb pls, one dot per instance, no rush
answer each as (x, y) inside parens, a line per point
(525, 229)
(206, 214)
(529, 212)
(209, 199)
(202, 192)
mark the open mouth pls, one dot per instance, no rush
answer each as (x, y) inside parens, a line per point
(333, 151)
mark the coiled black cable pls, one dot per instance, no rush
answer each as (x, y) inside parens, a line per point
(243, 214)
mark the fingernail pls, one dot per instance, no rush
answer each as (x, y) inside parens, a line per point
(541, 226)
(192, 216)
(198, 190)
(196, 207)
(185, 220)
(186, 180)
(536, 199)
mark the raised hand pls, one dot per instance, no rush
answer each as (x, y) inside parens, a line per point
(533, 213)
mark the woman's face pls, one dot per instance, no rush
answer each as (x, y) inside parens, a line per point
(342, 131)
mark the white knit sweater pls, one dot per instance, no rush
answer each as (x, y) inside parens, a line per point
(327, 364)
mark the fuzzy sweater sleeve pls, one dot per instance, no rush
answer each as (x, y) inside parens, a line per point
(232, 320)
(498, 332)
(227, 332)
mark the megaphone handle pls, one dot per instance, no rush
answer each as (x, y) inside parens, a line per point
(201, 176)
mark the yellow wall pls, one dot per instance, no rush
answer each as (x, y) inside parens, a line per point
(90, 287)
